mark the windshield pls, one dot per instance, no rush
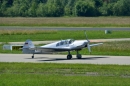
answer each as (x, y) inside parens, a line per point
(70, 41)
(65, 42)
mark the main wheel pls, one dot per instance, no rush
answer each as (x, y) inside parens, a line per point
(79, 56)
(69, 56)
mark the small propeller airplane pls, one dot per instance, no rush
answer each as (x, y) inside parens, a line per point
(59, 46)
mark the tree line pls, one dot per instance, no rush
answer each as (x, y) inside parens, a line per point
(58, 8)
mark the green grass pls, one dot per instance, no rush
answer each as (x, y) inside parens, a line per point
(66, 21)
(109, 48)
(48, 74)
(121, 48)
(36, 35)
(26, 32)
(58, 80)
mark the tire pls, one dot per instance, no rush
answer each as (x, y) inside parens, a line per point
(79, 56)
(32, 57)
(69, 56)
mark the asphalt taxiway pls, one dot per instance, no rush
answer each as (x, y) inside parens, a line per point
(54, 58)
(62, 28)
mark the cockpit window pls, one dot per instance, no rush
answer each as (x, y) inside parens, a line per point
(65, 42)
(57, 44)
(71, 41)
(62, 43)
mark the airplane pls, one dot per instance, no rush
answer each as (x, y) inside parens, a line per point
(59, 46)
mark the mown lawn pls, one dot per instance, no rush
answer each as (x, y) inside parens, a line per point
(48, 74)
(39, 35)
(121, 48)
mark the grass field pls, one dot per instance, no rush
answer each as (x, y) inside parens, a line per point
(67, 21)
(108, 48)
(36, 74)
(41, 35)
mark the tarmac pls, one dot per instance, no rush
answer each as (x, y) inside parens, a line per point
(54, 58)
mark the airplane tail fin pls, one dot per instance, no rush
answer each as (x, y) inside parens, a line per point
(28, 47)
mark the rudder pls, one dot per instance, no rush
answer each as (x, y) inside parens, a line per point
(27, 47)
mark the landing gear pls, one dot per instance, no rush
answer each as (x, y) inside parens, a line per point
(69, 56)
(79, 56)
(33, 56)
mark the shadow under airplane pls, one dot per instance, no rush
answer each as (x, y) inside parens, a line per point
(60, 59)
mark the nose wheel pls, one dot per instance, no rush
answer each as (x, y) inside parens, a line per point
(69, 56)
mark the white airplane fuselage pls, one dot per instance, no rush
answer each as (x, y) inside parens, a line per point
(60, 46)
(66, 47)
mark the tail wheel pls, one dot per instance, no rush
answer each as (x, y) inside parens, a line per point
(32, 57)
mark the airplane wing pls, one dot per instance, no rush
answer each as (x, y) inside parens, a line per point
(62, 48)
(95, 44)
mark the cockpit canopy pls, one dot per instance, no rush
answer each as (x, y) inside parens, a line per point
(65, 42)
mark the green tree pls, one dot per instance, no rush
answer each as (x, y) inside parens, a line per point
(85, 8)
(69, 8)
(32, 9)
(14, 10)
(98, 3)
(3, 8)
(110, 9)
(122, 8)
(103, 9)
(55, 8)
(41, 11)
(19, 8)
(113, 1)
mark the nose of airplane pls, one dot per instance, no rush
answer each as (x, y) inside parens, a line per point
(81, 44)
(85, 44)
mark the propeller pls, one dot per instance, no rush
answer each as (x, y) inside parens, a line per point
(88, 45)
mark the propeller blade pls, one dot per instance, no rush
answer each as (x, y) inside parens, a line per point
(89, 48)
(86, 36)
